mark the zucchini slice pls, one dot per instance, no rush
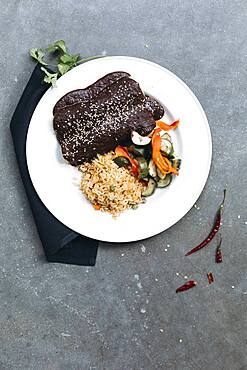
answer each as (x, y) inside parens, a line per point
(149, 189)
(148, 152)
(176, 163)
(138, 139)
(160, 174)
(137, 152)
(121, 161)
(142, 167)
(165, 135)
(171, 156)
(152, 169)
(166, 147)
(163, 183)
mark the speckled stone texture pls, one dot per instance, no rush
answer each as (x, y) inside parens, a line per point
(124, 314)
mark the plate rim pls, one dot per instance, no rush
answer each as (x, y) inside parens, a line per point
(206, 170)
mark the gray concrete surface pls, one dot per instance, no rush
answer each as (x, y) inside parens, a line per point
(124, 314)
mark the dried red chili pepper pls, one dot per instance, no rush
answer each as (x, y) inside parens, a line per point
(218, 254)
(210, 277)
(188, 285)
(213, 232)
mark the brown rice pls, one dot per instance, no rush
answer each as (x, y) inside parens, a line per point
(109, 187)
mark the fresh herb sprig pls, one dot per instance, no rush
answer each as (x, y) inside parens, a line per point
(63, 60)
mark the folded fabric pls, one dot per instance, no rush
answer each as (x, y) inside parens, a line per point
(60, 243)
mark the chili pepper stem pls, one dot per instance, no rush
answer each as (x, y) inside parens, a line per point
(223, 201)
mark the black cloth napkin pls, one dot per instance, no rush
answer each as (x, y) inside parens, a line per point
(59, 242)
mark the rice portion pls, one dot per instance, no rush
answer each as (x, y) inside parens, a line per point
(109, 187)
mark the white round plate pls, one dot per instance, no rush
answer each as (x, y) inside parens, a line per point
(57, 183)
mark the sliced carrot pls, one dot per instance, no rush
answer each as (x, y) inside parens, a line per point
(162, 163)
(166, 127)
(171, 169)
(156, 156)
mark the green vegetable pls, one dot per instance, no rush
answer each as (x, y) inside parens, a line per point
(68, 59)
(148, 152)
(121, 161)
(50, 78)
(63, 68)
(63, 60)
(134, 206)
(38, 55)
(165, 135)
(137, 152)
(149, 189)
(58, 45)
(67, 62)
(176, 163)
(152, 169)
(166, 146)
(160, 174)
(170, 156)
(163, 183)
(112, 187)
(137, 139)
(142, 167)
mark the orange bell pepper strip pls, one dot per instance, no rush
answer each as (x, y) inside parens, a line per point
(123, 152)
(163, 164)
(164, 126)
(156, 155)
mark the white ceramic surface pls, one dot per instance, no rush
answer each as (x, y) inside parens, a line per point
(57, 183)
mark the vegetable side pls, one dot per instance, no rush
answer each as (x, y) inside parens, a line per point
(152, 158)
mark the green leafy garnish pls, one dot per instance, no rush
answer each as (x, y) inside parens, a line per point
(38, 55)
(58, 45)
(50, 78)
(67, 62)
(63, 60)
(69, 59)
(63, 68)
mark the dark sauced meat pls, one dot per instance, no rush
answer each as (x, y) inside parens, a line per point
(98, 124)
(77, 96)
(155, 107)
